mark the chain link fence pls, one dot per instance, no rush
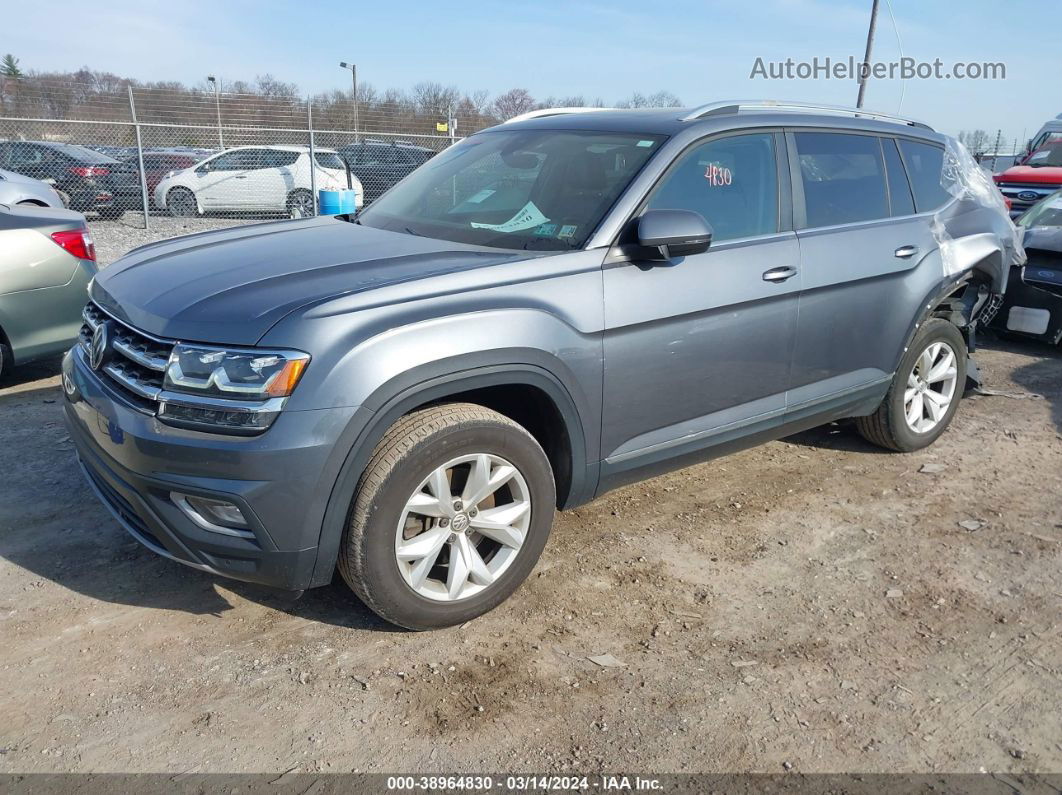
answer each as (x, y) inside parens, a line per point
(197, 155)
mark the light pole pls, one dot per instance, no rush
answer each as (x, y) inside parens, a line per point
(217, 103)
(354, 75)
(863, 76)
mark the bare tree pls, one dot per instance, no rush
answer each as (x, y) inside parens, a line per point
(976, 141)
(513, 102)
(661, 99)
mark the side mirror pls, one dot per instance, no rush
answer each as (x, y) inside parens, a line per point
(203, 169)
(674, 233)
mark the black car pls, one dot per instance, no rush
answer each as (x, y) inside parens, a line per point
(379, 164)
(1032, 306)
(87, 180)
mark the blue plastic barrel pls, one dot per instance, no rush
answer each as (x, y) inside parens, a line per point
(337, 202)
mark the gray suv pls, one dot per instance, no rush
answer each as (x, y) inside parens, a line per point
(545, 311)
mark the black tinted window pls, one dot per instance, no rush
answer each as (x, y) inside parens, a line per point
(924, 164)
(843, 176)
(732, 182)
(899, 188)
(277, 158)
(329, 160)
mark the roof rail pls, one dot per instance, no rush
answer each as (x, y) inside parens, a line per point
(731, 106)
(537, 114)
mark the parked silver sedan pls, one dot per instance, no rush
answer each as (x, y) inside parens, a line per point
(20, 189)
(46, 262)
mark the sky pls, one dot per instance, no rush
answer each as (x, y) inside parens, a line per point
(701, 50)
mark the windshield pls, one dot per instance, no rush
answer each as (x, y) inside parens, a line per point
(1050, 154)
(1047, 213)
(543, 190)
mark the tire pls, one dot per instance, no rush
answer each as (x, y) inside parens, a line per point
(6, 359)
(300, 204)
(111, 213)
(181, 203)
(410, 453)
(889, 426)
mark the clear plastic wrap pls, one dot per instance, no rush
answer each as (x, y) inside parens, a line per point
(964, 179)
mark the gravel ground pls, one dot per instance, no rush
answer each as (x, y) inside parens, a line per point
(114, 238)
(813, 604)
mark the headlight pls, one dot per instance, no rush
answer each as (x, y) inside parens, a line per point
(240, 375)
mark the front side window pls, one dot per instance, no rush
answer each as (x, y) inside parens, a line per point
(541, 190)
(925, 162)
(843, 178)
(238, 160)
(732, 182)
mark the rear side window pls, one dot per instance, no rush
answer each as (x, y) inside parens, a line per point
(732, 182)
(843, 177)
(924, 165)
(277, 158)
(329, 160)
(899, 188)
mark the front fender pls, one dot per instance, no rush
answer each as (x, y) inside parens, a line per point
(431, 382)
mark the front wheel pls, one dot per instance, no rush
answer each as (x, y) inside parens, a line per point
(925, 391)
(450, 516)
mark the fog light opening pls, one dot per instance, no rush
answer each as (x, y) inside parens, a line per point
(216, 516)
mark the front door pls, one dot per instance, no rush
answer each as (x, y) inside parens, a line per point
(697, 350)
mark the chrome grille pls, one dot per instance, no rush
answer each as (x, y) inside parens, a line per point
(139, 363)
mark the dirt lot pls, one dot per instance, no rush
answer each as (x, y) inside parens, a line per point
(812, 603)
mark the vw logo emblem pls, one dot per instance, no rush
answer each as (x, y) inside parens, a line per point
(100, 347)
(1028, 196)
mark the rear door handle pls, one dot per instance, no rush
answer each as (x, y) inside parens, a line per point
(906, 252)
(241, 176)
(779, 274)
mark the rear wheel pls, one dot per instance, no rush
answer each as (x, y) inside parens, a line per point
(181, 203)
(450, 516)
(925, 391)
(5, 359)
(300, 204)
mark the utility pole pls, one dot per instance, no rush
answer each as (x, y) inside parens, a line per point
(865, 67)
(217, 103)
(354, 75)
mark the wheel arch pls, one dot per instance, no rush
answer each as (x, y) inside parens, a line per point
(528, 394)
(959, 298)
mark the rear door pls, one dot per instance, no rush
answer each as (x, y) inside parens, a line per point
(859, 236)
(697, 349)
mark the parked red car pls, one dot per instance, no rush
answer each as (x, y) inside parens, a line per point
(158, 164)
(1035, 176)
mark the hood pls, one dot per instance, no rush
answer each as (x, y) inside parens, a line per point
(231, 286)
(1047, 175)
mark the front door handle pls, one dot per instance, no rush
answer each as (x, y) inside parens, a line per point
(906, 252)
(241, 176)
(779, 274)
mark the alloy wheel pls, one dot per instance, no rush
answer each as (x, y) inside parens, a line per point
(931, 388)
(463, 527)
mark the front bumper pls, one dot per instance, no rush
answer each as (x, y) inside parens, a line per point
(281, 480)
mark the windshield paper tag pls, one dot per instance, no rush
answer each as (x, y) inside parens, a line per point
(718, 175)
(645, 143)
(529, 217)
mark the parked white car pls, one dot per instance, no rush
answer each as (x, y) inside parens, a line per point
(253, 179)
(17, 189)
